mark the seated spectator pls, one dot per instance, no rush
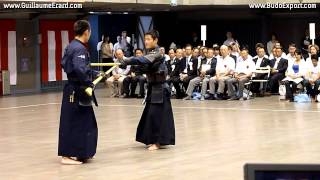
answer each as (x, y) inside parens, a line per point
(175, 74)
(207, 70)
(118, 75)
(244, 69)
(260, 61)
(135, 76)
(279, 67)
(312, 77)
(295, 74)
(277, 45)
(313, 50)
(171, 62)
(163, 52)
(234, 57)
(224, 71)
(259, 46)
(202, 54)
(291, 55)
(216, 51)
(188, 70)
(273, 53)
(235, 51)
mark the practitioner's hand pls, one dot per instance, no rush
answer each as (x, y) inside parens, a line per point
(101, 73)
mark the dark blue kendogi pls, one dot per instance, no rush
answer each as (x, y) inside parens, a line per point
(156, 125)
(78, 132)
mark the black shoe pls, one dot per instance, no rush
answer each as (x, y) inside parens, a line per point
(219, 97)
(233, 98)
(210, 97)
(133, 95)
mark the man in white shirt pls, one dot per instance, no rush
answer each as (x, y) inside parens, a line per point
(118, 75)
(259, 46)
(224, 71)
(245, 68)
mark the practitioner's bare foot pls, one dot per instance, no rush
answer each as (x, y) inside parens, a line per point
(154, 147)
(70, 161)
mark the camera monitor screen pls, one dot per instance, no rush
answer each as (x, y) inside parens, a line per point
(282, 172)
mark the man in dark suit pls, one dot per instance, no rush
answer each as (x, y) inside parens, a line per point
(207, 70)
(279, 67)
(135, 76)
(175, 73)
(187, 71)
(171, 62)
(260, 61)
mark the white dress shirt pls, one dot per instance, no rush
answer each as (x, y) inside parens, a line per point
(225, 64)
(290, 58)
(259, 61)
(188, 58)
(276, 63)
(121, 71)
(245, 66)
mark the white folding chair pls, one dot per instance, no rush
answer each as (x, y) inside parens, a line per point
(259, 70)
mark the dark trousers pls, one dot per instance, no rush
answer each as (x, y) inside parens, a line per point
(130, 83)
(274, 82)
(176, 81)
(255, 87)
(291, 88)
(312, 90)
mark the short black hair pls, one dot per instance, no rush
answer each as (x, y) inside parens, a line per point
(80, 26)
(259, 45)
(245, 49)
(138, 49)
(314, 56)
(210, 49)
(153, 33)
(292, 45)
(298, 51)
(216, 47)
(188, 45)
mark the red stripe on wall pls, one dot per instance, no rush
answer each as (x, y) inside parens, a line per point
(57, 26)
(58, 55)
(6, 25)
(44, 57)
(4, 50)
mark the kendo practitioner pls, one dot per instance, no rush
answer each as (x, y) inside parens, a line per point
(156, 126)
(78, 132)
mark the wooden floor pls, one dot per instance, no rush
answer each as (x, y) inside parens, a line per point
(214, 139)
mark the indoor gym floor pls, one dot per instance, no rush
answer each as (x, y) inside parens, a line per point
(214, 139)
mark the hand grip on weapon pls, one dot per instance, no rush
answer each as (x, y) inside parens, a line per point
(89, 90)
